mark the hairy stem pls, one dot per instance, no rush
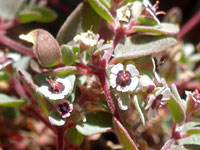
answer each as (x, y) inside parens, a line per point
(108, 54)
(109, 97)
(16, 46)
(189, 25)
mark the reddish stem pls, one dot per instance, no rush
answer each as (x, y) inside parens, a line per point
(60, 138)
(108, 96)
(119, 34)
(16, 46)
(7, 25)
(189, 25)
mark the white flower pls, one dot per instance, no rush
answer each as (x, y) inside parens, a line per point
(158, 99)
(58, 89)
(124, 80)
(131, 10)
(87, 39)
(146, 84)
(124, 13)
(64, 108)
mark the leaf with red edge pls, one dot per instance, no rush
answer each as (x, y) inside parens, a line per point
(142, 45)
(80, 20)
(124, 136)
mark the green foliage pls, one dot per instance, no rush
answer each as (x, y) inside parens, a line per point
(92, 125)
(80, 20)
(74, 136)
(141, 45)
(101, 10)
(126, 140)
(67, 54)
(7, 101)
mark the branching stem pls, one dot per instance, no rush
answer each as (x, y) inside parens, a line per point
(16, 46)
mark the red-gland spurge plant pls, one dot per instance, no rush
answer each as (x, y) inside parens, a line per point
(113, 67)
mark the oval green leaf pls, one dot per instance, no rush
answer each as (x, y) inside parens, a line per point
(8, 101)
(28, 16)
(46, 14)
(160, 29)
(67, 54)
(97, 122)
(141, 45)
(74, 136)
(101, 10)
(124, 136)
(80, 20)
(176, 107)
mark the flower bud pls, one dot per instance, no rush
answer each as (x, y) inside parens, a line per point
(46, 48)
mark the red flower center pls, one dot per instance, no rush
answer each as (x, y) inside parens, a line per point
(123, 78)
(55, 87)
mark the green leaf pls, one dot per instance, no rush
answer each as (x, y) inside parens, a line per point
(67, 54)
(139, 110)
(80, 20)
(28, 82)
(3, 76)
(28, 16)
(160, 29)
(144, 20)
(194, 131)
(141, 45)
(191, 140)
(123, 136)
(176, 108)
(97, 122)
(101, 10)
(9, 8)
(75, 137)
(106, 3)
(8, 101)
(56, 119)
(46, 14)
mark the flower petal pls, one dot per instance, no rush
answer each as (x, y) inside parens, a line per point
(134, 83)
(150, 101)
(113, 80)
(118, 67)
(166, 94)
(132, 70)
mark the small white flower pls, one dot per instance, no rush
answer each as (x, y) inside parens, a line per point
(87, 39)
(124, 13)
(158, 99)
(124, 80)
(58, 89)
(129, 11)
(146, 84)
(64, 108)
